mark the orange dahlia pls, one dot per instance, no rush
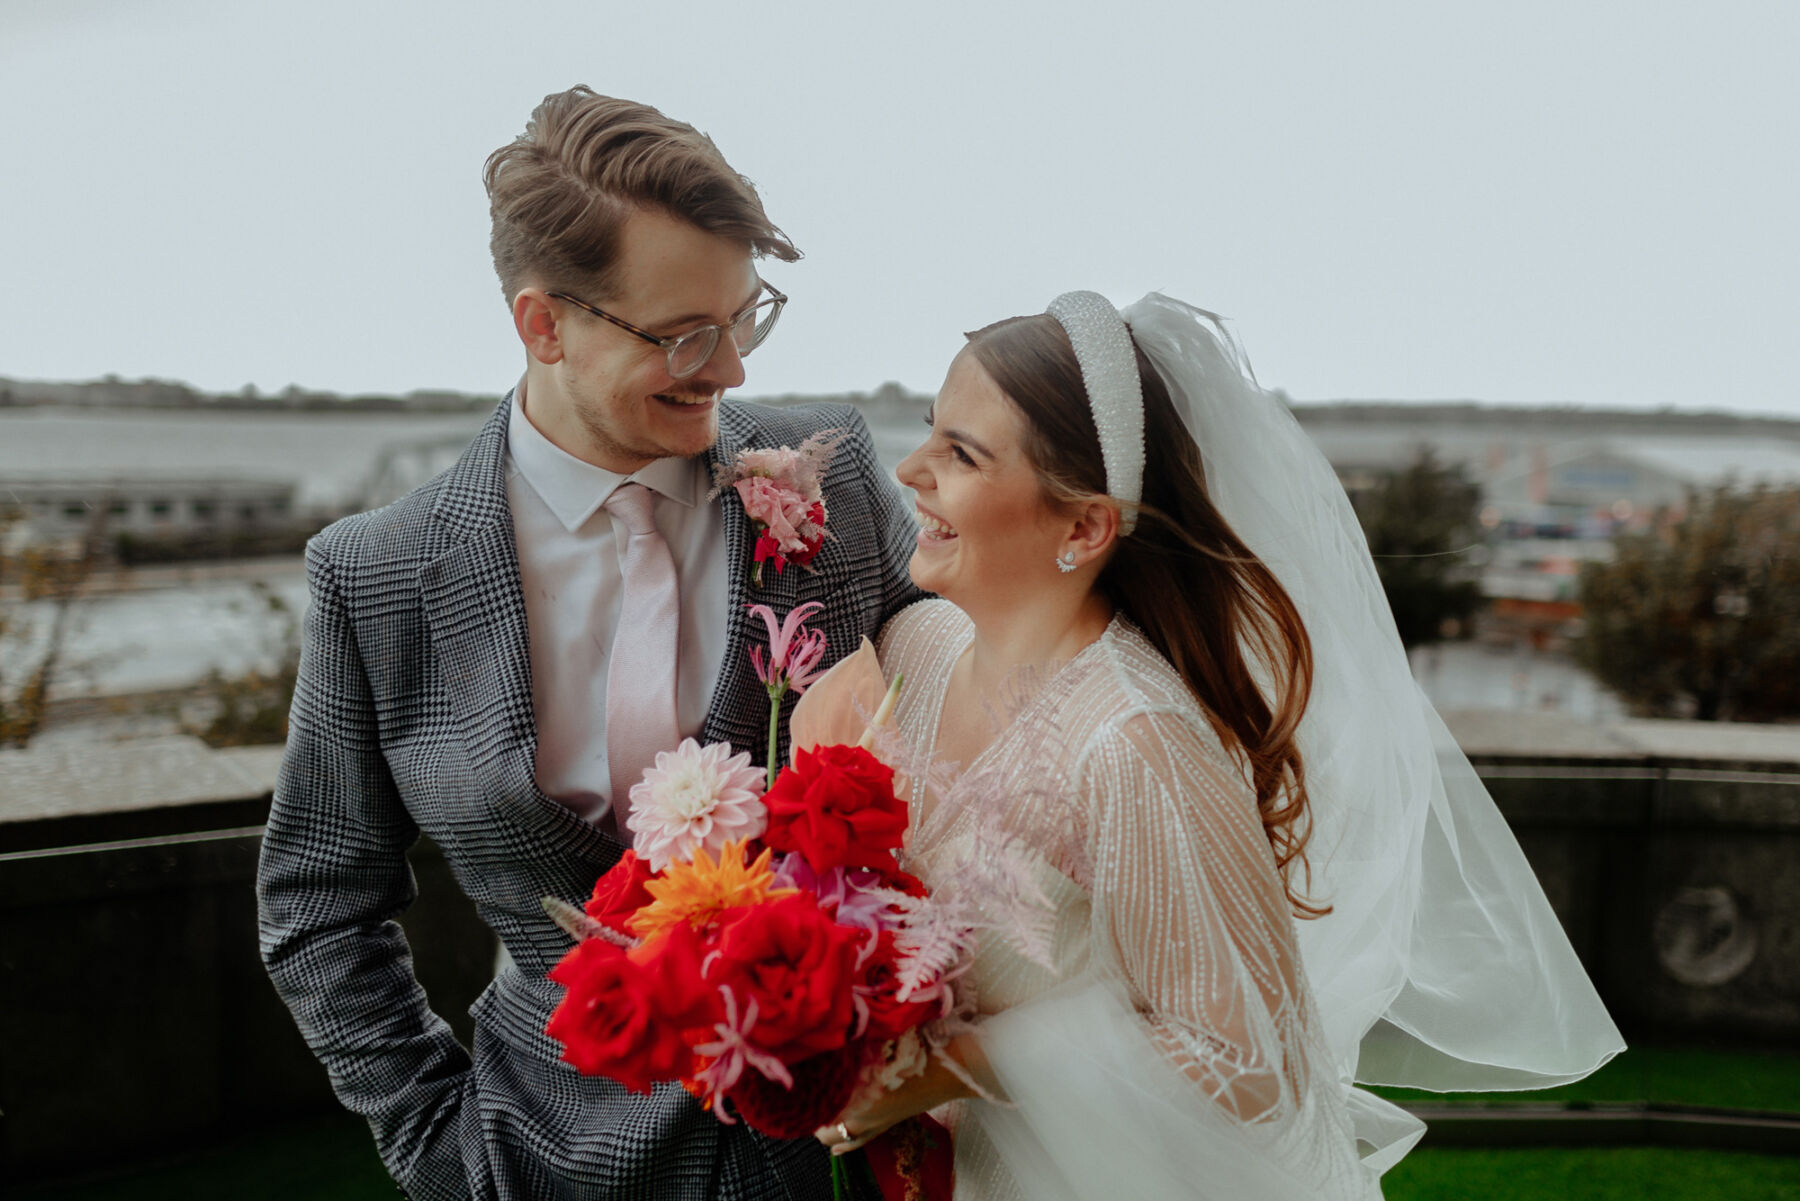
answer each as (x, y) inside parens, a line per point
(696, 892)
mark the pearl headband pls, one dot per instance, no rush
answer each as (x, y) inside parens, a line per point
(1109, 372)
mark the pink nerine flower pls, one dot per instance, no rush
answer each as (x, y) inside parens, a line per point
(695, 797)
(733, 1051)
(794, 650)
(854, 896)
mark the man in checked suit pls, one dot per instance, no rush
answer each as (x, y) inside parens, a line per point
(455, 674)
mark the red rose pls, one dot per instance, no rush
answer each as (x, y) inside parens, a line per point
(823, 1085)
(629, 1014)
(810, 551)
(876, 984)
(620, 892)
(687, 1000)
(836, 806)
(797, 965)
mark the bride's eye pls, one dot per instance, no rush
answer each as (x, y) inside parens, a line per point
(959, 452)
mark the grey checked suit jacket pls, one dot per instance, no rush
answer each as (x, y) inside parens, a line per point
(413, 713)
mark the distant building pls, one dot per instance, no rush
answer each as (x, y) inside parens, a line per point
(65, 510)
(111, 392)
(1590, 489)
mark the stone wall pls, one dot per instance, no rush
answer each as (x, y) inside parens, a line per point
(1671, 853)
(136, 1019)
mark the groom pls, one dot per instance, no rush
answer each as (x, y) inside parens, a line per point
(493, 659)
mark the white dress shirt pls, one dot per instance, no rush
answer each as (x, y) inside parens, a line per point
(570, 555)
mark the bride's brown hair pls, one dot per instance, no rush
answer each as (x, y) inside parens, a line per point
(1213, 609)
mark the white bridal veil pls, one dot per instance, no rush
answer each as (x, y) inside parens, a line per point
(1441, 965)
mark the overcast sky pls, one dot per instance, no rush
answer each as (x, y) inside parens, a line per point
(1521, 203)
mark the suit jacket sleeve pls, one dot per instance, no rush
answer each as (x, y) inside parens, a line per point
(894, 525)
(333, 877)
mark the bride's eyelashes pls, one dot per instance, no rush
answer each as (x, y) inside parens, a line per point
(955, 449)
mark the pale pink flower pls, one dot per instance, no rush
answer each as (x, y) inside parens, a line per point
(799, 471)
(899, 1061)
(733, 1051)
(695, 797)
(781, 511)
(779, 463)
(782, 491)
(794, 650)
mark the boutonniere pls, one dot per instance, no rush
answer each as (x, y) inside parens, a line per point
(781, 492)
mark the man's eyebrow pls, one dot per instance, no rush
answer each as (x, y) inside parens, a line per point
(685, 318)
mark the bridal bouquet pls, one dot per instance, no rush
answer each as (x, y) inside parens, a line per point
(759, 942)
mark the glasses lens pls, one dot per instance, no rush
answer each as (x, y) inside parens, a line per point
(691, 351)
(754, 326)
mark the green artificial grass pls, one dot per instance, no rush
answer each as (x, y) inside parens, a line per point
(334, 1160)
(1592, 1174)
(1766, 1080)
(325, 1159)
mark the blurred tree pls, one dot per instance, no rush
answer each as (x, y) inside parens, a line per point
(1421, 523)
(252, 709)
(35, 572)
(1701, 617)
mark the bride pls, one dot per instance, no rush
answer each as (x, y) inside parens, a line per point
(1268, 871)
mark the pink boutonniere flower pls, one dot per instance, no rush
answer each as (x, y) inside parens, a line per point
(781, 491)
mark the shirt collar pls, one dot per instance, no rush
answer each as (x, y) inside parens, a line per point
(574, 489)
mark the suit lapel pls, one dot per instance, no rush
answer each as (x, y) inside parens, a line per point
(738, 713)
(729, 718)
(474, 606)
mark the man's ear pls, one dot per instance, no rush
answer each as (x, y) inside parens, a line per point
(535, 317)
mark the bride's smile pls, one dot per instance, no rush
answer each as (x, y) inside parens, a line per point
(931, 529)
(988, 538)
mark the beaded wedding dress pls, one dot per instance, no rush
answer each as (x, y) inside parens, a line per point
(1156, 1038)
(1159, 1022)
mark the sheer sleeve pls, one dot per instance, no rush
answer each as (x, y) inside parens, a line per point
(1192, 914)
(1179, 1062)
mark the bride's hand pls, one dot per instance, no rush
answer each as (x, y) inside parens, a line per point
(938, 1083)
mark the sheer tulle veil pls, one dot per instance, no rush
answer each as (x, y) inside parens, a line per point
(1441, 965)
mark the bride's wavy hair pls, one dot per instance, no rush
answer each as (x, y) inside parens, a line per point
(1213, 609)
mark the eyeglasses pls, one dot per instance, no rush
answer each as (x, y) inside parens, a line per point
(690, 351)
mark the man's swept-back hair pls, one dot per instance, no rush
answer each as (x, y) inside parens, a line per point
(560, 192)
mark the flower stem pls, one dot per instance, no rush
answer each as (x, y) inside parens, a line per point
(885, 711)
(776, 691)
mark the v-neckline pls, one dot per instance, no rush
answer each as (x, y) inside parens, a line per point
(942, 689)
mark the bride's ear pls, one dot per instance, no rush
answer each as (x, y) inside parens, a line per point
(1095, 531)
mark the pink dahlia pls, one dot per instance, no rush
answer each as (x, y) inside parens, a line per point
(695, 797)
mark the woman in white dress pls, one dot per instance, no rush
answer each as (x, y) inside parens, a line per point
(1186, 732)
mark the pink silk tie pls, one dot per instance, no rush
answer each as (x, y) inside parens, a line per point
(640, 682)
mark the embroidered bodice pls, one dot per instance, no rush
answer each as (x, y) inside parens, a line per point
(1108, 795)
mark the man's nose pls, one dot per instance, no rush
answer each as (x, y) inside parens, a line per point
(726, 366)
